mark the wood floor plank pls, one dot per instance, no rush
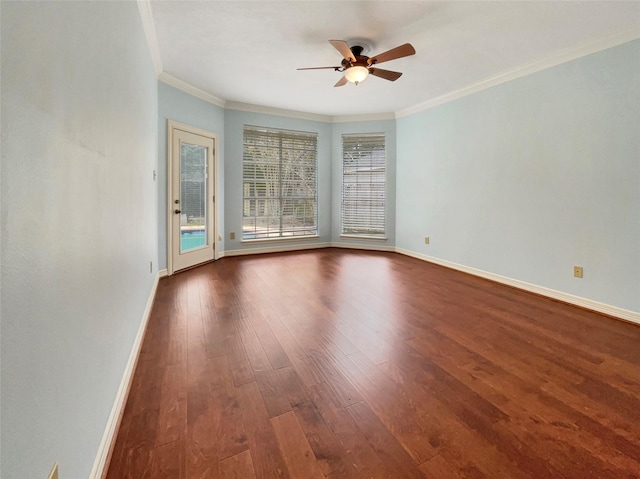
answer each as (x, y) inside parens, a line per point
(172, 421)
(301, 462)
(396, 411)
(314, 352)
(443, 466)
(233, 345)
(213, 337)
(202, 454)
(268, 462)
(239, 466)
(228, 432)
(252, 346)
(272, 348)
(364, 459)
(308, 318)
(169, 461)
(357, 364)
(137, 460)
(271, 386)
(201, 448)
(305, 368)
(383, 442)
(342, 387)
(333, 460)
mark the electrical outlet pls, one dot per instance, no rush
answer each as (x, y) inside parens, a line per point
(426, 240)
(577, 271)
(54, 472)
(219, 237)
(232, 235)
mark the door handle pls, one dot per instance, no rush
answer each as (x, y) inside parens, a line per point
(177, 212)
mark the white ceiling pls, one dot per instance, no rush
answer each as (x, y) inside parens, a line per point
(248, 51)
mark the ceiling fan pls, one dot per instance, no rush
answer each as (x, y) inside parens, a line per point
(357, 67)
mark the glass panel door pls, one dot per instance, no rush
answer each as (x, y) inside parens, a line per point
(193, 197)
(191, 212)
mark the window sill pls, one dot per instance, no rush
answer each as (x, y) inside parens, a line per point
(365, 237)
(279, 239)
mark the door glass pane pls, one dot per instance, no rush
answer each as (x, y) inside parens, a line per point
(193, 194)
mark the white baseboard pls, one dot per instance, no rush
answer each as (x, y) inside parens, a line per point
(285, 248)
(368, 247)
(162, 273)
(274, 249)
(608, 309)
(104, 450)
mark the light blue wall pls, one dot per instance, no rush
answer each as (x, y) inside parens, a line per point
(532, 177)
(78, 208)
(234, 123)
(388, 127)
(174, 104)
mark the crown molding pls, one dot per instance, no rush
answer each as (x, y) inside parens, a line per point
(301, 115)
(366, 117)
(268, 110)
(190, 89)
(563, 56)
(144, 7)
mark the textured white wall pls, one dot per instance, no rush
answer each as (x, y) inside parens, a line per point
(529, 178)
(78, 221)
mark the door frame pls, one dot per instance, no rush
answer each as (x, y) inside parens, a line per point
(171, 127)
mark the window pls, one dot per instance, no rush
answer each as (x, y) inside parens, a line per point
(279, 183)
(363, 185)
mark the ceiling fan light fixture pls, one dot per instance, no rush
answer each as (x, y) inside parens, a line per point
(356, 74)
(357, 67)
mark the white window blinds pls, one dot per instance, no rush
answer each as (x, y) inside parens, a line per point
(279, 183)
(363, 185)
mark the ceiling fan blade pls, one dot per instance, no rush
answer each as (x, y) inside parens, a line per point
(397, 52)
(318, 68)
(344, 49)
(341, 82)
(386, 74)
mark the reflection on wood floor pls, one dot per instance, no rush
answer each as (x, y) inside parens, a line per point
(351, 364)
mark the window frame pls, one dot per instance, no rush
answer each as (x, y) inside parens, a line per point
(372, 230)
(302, 143)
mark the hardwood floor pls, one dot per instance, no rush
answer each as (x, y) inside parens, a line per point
(351, 364)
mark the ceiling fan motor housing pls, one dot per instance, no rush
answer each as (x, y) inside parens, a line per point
(361, 60)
